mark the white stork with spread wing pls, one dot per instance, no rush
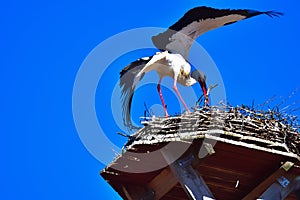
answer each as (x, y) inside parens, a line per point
(175, 44)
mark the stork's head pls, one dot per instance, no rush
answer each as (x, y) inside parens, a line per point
(201, 78)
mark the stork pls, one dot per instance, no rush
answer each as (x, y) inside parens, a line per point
(172, 59)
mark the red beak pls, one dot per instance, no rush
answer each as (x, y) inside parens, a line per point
(204, 89)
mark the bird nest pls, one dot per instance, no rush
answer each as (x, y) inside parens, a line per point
(267, 129)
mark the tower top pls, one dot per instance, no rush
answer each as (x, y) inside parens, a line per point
(234, 149)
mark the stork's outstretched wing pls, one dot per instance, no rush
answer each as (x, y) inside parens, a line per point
(128, 83)
(180, 36)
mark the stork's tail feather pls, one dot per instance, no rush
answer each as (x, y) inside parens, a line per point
(129, 78)
(274, 14)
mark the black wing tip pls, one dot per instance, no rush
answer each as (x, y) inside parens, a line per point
(273, 14)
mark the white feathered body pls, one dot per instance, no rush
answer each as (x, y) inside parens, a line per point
(168, 64)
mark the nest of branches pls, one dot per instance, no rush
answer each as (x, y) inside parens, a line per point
(270, 128)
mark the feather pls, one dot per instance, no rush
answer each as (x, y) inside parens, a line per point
(180, 36)
(128, 83)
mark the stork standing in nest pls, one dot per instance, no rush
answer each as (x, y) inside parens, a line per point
(172, 60)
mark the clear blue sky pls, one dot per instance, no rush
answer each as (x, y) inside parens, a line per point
(42, 46)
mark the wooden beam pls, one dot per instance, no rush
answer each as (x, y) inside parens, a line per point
(127, 194)
(297, 187)
(166, 180)
(281, 189)
(163, 183)
(269, 183)
(133, 192)
(191, 182)
(294, 186)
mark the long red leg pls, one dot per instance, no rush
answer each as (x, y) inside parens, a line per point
(181, 99)
(162, 99)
